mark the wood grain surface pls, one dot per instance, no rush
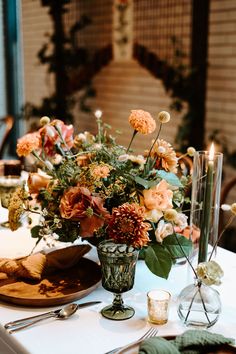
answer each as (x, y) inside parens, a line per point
(58, 288)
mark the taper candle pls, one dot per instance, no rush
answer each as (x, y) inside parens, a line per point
(207, 206)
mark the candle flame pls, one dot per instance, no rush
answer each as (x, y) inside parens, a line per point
(212, 152)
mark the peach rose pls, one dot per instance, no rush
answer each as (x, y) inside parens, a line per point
(158, 197)
(78, 204)
(50, 136)
(36, 182)
(187, 232)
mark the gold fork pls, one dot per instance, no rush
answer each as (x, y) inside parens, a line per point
(152, 332)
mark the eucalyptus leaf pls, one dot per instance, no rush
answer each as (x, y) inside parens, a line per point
(170, 177)
(145, 183)
(158, 260)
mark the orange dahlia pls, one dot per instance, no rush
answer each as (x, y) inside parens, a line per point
(127, 225)
(165, 156)
(142, 121)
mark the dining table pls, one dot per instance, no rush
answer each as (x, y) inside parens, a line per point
(87, 331)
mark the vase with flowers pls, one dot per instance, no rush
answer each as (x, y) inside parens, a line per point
(199, 304)
(90, 187)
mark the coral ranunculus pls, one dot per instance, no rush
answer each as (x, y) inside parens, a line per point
(78, 204)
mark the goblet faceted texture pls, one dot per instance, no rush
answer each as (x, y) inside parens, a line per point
(118, 263)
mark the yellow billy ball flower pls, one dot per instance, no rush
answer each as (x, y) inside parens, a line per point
(164, 117)
(191, 151)
(170, 215)
(44, 120)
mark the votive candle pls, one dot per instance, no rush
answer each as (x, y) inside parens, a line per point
(158, 306)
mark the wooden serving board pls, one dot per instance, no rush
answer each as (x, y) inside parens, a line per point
(55, 289)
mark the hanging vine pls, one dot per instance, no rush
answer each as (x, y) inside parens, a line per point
(73, 66)
(178, 80)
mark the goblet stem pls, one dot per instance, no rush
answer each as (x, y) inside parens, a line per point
(118, 301)
(118, 310)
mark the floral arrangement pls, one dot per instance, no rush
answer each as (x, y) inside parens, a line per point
(90, 187)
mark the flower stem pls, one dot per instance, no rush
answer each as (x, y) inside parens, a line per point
(154, 142)
(61, 137)
(99, 124)
(185, 254)
(221, 234)
(134, 133)
(190, 306)
(203, 303)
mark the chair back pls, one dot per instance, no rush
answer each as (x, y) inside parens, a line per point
(228, 239)
(6, 124)
(185, 164)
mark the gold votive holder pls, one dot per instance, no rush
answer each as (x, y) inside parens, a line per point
(158, 306)
(8, 185)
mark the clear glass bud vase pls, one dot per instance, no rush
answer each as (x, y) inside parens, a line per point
(199, 305)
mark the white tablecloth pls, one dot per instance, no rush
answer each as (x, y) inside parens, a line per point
(87, 332)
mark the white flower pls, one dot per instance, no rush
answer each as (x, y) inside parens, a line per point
(209, 273)
(97, 146)
(123, 157)
(49, 165)
(181, 221)
(98, 113)
(81, 137)
(137, 159)
(44, 212)
(226, 207)
(153, 215)
(163, 230)
(57, 159)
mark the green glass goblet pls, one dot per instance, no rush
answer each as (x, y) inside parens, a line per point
(118, 263)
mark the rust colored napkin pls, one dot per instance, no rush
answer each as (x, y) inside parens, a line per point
(35, 265)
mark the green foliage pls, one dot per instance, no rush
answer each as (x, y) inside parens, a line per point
(173, 246)
(35, 231)
(158, 260)
(170, 177)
